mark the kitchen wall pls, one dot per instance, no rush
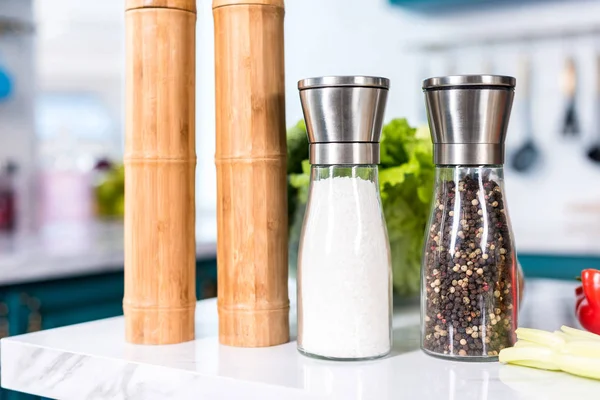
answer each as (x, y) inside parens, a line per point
(17, 140)
(80, 53)
(555, 208)
(80, 47)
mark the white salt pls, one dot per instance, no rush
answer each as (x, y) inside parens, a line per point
(344, 277)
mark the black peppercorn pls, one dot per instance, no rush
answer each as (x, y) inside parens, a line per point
(472, 256)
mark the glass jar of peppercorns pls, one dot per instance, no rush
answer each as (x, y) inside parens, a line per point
(470, 282)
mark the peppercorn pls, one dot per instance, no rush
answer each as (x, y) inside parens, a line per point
(477, 274)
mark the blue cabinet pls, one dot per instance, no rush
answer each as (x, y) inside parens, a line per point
(45, 305)
(565, 267)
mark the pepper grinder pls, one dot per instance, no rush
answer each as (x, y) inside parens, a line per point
(470, 276)
(252, 239)
(160, 160)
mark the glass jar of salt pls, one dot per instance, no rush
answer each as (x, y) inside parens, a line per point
(344, 262)
(470, 277)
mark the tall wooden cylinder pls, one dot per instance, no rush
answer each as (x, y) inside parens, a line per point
(160, 160)
(251, 173)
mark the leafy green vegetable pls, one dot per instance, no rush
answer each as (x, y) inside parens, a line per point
(406, 175)
(297, 151)
(297, 147)
(302, 181)
(393, 149)
(406, 183)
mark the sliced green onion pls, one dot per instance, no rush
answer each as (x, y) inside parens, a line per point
(538, 365)
(579, 333)
(541, 337)
(581, 366)
(570, 350)
(582, 348)
(512, 354)
(527, 343)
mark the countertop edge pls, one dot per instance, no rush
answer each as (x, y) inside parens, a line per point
(56, 373)
(92, 360)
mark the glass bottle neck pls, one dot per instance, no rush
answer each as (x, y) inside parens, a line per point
(367, 172)
(479, 172)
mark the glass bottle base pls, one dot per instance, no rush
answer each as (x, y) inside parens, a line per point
(326, 358)
(456, 357)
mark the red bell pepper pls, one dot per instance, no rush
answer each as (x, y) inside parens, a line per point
(588, 300)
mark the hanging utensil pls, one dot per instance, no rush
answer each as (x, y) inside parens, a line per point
(525, 158)
(569, 81)
(594, 151)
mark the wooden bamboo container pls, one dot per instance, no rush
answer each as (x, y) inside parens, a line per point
(160, 160)
(251, 173)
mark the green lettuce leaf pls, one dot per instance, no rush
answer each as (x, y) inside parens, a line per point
(302, 182)
(406, 184)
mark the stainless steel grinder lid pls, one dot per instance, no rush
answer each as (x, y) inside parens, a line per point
(344, 117)
(468, 117)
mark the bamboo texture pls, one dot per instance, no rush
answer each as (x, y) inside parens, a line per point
(251, 173)
(160, 295)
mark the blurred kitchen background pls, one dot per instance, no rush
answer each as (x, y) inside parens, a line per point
(61, 129)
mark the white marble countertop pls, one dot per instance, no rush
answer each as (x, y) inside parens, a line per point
(92, 361)
(76, 249)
